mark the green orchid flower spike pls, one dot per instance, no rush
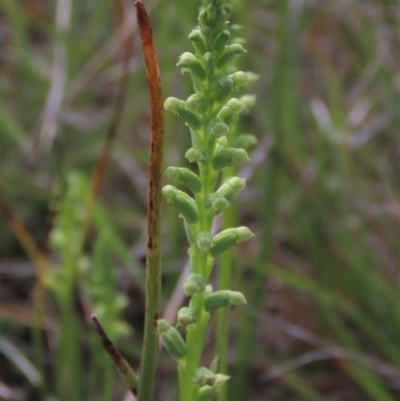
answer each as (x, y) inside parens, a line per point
(209, 114)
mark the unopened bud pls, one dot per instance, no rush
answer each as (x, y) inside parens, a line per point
(194, 284)
(221, 87)
(220, 20)
(216, 201)
(183, 202)
(223, 299)
(240, 78)
(232, 187)
(203, 377)
(183, 176)
(171, 104)
(197, 104)
(172, 340)
(204, 240)
(211, 12)
(190, 61)
(206, 393)
(217, 127)
(228, 238)
(229, 157)
(210, 62)
(186, 316)
(245, 141)
(196, 154)
(228, 53)
(221, 41)
(236, 105)
(197, 41)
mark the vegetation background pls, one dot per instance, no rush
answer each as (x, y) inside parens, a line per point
(322, 276)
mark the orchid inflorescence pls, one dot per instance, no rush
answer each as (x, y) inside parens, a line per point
(210, 114)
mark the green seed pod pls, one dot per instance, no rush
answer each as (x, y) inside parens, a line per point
(186, 316)
(223, 299)
(194, 284)
(216, 201)
(204, 240)
(245, 141)
(206, 393)
(210, 62)
(172, 340)
(217, 127)
(221, 41)
(219, 299)
(197, 104)
(229, 157)
(196, 154)
(183, 176)
(197, 41)
(221, 87)
(190, 61)
(228, 238)
(228, 53)
(183, 202)
(232, 187)
(203, 377)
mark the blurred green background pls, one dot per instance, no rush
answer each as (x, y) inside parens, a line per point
(322, 275)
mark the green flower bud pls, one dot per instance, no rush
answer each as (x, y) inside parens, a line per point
(197, 104)
(245, 141)
(211, 12)
(240, 79)
(249, 101)
(190, 61)
(196, 154)
(216, 201)
(204, 240)
(229, 237)
(206, 393)
(221, 87)
(222, 141)
(203, 18)
(207, 35)
(171, 104)
(183, 202)
(236, 105)
(217, 127)
(183, 176)
(191, 119)
(203, 377)
(232, 187)
(228, 53)
(172, 340)
(194, 284)
(223, 299)
(179, 108)
(253, 77)
(197, 41)
(220, 380)
(221, 41)
(219, 299)
(220, 21)
(210, 62)
(186, 316)
(229, 157)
